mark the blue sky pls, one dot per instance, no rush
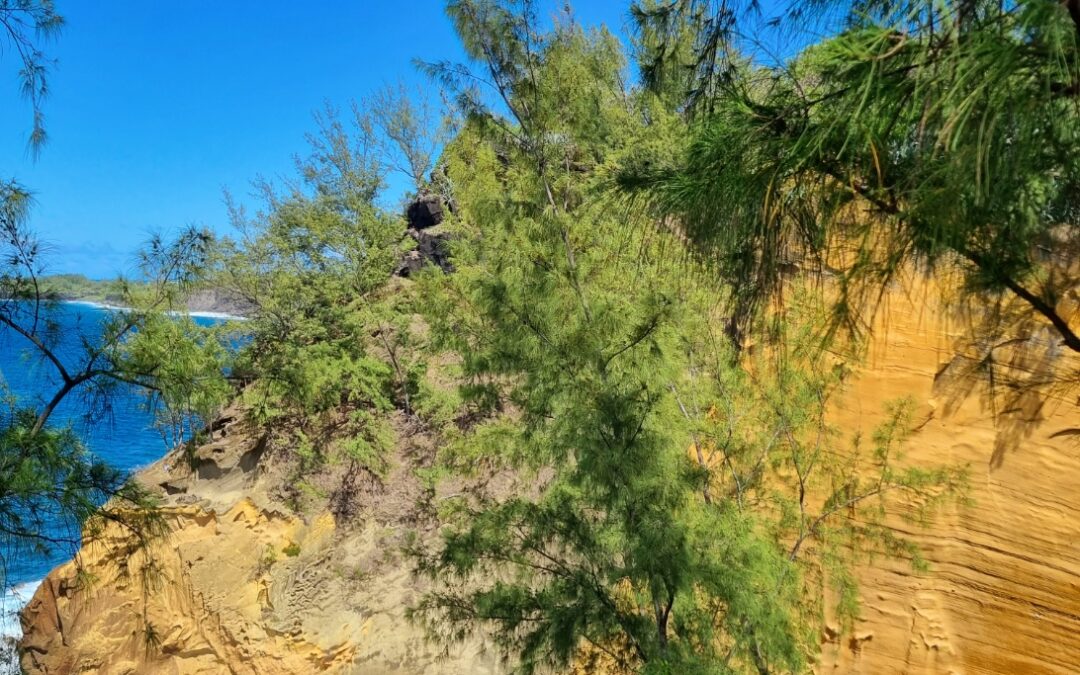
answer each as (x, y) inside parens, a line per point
(156, 107)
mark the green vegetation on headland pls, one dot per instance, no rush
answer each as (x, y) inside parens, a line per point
(647, 295)
(79, 287)
(115, 292)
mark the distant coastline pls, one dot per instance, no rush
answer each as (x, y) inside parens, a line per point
(211, 303)
(201, 314)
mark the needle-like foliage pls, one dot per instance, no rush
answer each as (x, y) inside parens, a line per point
(24, 25)
(939, 133)
(664, 499)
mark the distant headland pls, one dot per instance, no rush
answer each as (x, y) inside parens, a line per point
(108, 294)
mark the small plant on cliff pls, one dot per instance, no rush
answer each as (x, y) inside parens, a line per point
(85, 580)
(151, 638)
(268, 558)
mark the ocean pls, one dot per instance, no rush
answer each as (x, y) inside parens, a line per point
(126, 439)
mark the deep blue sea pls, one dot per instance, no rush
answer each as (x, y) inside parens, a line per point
(125, 438)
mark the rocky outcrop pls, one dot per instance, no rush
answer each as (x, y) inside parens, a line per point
(239, 585)
(243, 586)
(182, 606)
(219, 301)
(432, 248)
(425, 211)
(424, 215)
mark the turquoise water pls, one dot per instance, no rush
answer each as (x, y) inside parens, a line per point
(125, 438)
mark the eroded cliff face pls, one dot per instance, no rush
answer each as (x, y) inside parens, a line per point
(242, 586)
(1002, 594)
(239, 585)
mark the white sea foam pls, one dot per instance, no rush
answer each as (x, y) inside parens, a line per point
(11, 603)
(223, 316)
(97, 305)
(9, 657)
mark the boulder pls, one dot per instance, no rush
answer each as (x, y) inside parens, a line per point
(425, 211)
(431, 248)
(435, 248)
(410, 264)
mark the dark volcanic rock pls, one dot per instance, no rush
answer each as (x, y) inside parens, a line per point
(410, 264)
(425, 211)
(433, 248)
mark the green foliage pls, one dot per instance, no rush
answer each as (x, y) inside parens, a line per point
(405, 130)
(48, 476)
(680, 48)
(24, 25)
(327, 353)
(333, 348)
(678, 507)
(51, 487)
(943, 133)
(763, 427)
(575, 324)
(187, 361)
(292, 549)
(78, 287)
